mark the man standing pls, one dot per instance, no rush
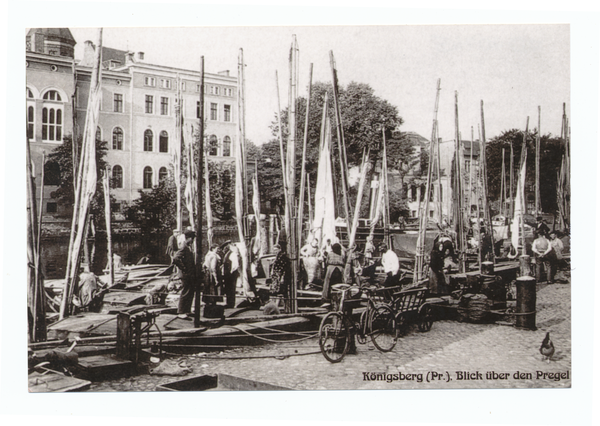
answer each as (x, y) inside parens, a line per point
(172, 244)
(391, 266)
(557, 247)
(541, 227)
(184, 260)
(544, 254)
(212, 273)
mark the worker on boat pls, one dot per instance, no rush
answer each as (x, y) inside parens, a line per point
(437, 278)
(281, 275)
(184, 260)
(335, 262)
(90, 294)
(391, 266)
(212, 274)
(310, 263)
(172, 246)
(231, 269)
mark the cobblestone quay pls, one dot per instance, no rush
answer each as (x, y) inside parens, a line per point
(453, 355)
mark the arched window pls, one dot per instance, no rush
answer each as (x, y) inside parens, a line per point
(98, 134)
(213, 145)
(163, 142)
(148, 136)
(226, 146)
(117, 175)
(147, 177)
(52, 116)
(117, 138)
(51, 173)
(162, 173)
(52, 95)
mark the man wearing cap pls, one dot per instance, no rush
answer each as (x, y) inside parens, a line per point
(541, 227)
(184, 260)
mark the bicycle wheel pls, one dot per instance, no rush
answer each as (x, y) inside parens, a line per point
(334, 337)
(383, 329)
(425, 318)
(362, 332)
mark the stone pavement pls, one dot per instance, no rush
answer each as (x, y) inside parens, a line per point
(489, 355)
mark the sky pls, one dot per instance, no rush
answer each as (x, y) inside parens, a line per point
(512, 68)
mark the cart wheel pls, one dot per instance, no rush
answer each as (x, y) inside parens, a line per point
(363, 331)
(384, 333)
(425, 318)
(334, 337)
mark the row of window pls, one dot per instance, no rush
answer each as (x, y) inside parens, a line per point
(166, 83)
(148, 175)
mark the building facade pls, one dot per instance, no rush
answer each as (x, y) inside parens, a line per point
(138, 111)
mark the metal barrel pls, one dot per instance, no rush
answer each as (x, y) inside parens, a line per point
(526, 300)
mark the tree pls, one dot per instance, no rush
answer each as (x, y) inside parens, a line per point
(364, 115)
(154, 210)
(550, 158)
(60, 166)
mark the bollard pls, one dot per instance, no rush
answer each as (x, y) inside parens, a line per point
(525, 265)
(487, 268)
(526, 300)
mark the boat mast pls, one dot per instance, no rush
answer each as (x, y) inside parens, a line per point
(538, 206)
(85, 186)
(303, 170)
(198, 251)
(291, 171)
(340, 137)
(107, 216)
(486, 205)
(458, 193)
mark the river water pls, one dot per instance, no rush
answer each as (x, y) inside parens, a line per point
(131, 248)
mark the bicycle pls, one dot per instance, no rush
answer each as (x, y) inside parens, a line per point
(338, 329)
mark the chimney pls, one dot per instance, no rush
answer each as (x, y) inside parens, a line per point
(225, 72)
(88, 54)
(129, 58)
(140, 56)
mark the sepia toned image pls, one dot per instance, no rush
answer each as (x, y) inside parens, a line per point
(298, 208)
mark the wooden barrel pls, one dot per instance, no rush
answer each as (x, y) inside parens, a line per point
(526, 300)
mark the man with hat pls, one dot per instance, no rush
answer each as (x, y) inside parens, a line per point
(184, 260)
(541, 227)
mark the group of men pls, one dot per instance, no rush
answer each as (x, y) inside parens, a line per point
(548, 253)
(343, 266)
(222, 270)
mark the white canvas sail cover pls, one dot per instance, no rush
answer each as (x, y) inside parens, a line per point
(324, 221)
(516, 223)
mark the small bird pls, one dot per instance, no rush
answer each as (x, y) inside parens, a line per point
(547, 348)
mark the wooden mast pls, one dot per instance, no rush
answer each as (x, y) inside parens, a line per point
(303, 171)
(340, 137)
(522, 194)
(198, 251)
(503, 187)
(538, 206)
(83, 193)
(458, 192)
(486, 206)
(282, 152)
(177, 155)
(107, 217)
(363, 178)
(471, 175)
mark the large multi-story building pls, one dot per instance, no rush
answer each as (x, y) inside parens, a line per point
(137, 112)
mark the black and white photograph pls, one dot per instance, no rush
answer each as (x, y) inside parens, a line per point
(319, 207)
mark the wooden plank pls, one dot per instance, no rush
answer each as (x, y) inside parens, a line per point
(54, 382)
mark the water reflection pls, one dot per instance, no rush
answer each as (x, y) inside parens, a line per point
(131, 248)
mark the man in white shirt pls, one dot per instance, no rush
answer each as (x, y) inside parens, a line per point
(391, 266)
(544, 255)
